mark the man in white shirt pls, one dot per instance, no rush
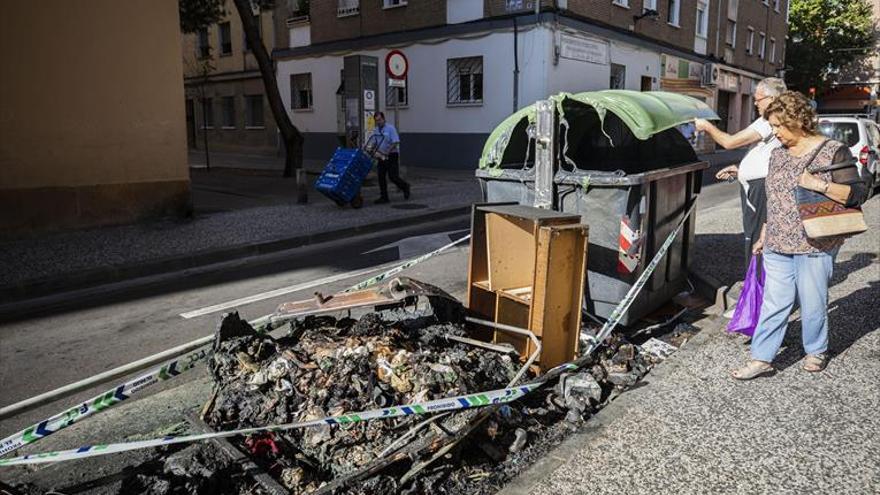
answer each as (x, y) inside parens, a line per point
(385, 144)
(752, 171)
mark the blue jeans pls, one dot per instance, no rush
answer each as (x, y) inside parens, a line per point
(805, 276)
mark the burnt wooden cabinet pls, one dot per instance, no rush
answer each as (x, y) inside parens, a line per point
(527, 269)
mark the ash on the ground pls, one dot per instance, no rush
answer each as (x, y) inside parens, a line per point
(327, 366)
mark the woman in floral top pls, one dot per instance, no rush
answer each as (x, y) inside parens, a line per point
(796, 266)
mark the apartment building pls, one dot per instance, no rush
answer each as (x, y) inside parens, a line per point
(225, 98)
(856, 88)
(473, 62)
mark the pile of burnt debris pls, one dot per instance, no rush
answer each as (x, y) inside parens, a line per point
(325, 366)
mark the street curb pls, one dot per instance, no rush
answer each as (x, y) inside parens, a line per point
(113, 274)
(535, 476)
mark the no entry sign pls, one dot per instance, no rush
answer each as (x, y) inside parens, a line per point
(396, 64)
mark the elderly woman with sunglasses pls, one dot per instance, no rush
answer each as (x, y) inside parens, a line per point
(797, 266)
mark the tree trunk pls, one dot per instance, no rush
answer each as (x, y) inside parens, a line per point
(293, 139)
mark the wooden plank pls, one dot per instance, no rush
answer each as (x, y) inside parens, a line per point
(513, 312)
(558, 293)
(511, 248)
(478, 263)
(482, 305)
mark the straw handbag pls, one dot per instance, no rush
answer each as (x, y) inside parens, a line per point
(823, 217)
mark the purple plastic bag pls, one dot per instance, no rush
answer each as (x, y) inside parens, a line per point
(748, 308)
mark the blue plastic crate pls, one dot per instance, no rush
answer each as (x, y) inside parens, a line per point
(344, 174)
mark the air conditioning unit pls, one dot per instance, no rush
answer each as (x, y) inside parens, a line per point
(711, 74)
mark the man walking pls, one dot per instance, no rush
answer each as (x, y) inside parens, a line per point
(752, 171)
(386, 146)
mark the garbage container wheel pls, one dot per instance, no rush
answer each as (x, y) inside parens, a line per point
(357, 201)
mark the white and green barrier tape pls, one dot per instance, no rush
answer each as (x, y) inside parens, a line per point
(467, 401)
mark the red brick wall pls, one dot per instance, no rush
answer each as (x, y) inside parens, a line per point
(373, 19)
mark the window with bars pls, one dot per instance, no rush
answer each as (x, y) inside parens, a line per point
(301, 91)
(347, 7)
(730, 34)
(227, 105)
(247, 45)
(253, 111)
(204, 44)
(225, 31)
(464, 80)
(672, 12)
(397, 96)
(207, 113)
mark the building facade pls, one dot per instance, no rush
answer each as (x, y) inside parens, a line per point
(857, 86)
(472, 63)
(93, 122)
(225, 98)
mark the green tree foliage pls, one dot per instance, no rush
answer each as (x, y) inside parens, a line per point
(199, 14)
(823, 36)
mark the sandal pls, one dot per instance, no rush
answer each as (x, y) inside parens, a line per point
(815, 363)
(754, 369)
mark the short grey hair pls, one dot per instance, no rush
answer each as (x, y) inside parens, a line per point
(772, 86)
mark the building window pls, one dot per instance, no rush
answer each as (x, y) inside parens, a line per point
(225, 38)
(390, 4)
(772, 50)
(649, 5)
(253, 112)
(207, 113)
(618, 77)
(513, 5)
(702, 18)
(247, 45)
(464, 80)
(620, 3)
(776, 5)
(672, 12)
(301, 91)
(730, 35)
(762, 45)
(228, 106)
(732, 8)
(397, 96)
(346, 8)
(204, 44)
(750, 42)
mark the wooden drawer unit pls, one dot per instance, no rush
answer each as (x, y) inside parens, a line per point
(527, 270)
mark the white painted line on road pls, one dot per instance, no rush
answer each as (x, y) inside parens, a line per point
(283, 290)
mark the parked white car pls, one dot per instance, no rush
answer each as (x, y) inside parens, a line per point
(860, 134)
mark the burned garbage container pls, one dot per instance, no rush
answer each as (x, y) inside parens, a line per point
(616, 159)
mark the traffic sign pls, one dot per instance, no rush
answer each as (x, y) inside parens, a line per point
(396, 64)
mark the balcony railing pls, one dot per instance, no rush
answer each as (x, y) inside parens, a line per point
(348, 7)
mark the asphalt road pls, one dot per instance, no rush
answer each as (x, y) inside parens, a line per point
(110, 328)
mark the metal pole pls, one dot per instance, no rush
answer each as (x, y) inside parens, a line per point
(205, 131)
(544, 151)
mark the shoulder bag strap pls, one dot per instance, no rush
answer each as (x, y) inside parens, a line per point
(815, 153)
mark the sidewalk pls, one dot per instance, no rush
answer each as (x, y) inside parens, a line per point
(242, 207)
(237, 213)
(690, 428)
